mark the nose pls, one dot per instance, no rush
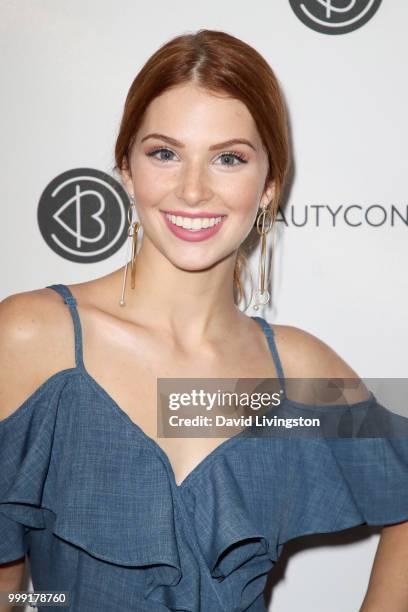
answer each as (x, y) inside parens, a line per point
(193, 187)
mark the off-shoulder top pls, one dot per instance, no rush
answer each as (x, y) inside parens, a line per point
(93, 502)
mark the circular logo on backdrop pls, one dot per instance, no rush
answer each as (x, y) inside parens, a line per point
(334, 16)
(82, 215)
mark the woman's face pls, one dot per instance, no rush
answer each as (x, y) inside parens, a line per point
(182, 165)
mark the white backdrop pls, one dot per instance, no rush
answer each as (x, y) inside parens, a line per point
(65, 70)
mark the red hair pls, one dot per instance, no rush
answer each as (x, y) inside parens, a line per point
(220, 63)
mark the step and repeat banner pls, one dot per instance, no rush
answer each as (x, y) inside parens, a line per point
(340, 250)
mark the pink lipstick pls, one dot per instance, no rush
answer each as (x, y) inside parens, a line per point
(193, 235)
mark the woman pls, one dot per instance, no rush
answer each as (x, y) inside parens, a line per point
(106, 511)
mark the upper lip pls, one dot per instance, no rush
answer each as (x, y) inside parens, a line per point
(195, 215)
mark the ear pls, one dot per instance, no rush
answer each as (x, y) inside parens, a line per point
(126, 176)
(268, 193)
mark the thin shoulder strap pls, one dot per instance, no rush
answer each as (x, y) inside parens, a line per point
(69, 299)
(269, 333)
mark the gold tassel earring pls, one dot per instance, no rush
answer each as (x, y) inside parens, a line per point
(133, 229)
(264, 224)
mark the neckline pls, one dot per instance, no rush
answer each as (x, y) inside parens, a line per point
(152, 443)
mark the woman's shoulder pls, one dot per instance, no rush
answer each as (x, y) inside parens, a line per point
(36, 341)
(306, 356)
(32, 317)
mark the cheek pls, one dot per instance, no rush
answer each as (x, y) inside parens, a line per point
(148, 190)
(242, 194)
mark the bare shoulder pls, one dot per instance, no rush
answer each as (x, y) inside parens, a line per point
(36, 341)
(305, 356)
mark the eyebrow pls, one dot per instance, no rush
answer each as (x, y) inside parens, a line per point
(220, 145)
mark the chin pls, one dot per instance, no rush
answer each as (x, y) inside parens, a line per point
(189, 266)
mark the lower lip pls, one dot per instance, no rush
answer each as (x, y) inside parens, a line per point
(194, 236)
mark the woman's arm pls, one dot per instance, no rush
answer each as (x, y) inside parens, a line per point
(388, 585)
(11, 577)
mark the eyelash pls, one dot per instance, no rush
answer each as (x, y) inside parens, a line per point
(242, 159)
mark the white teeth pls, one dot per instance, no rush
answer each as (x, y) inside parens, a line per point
(193, 224)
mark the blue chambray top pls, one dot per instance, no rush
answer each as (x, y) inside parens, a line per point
(92, 500)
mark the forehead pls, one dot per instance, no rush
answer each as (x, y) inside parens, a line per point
(190, 110)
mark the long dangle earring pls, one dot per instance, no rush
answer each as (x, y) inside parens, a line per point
(264, 224)
(133, 229)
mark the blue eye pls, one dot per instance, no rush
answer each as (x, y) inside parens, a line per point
(241, 159)
(161, 150)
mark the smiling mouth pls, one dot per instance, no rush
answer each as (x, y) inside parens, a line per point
(194, 223)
